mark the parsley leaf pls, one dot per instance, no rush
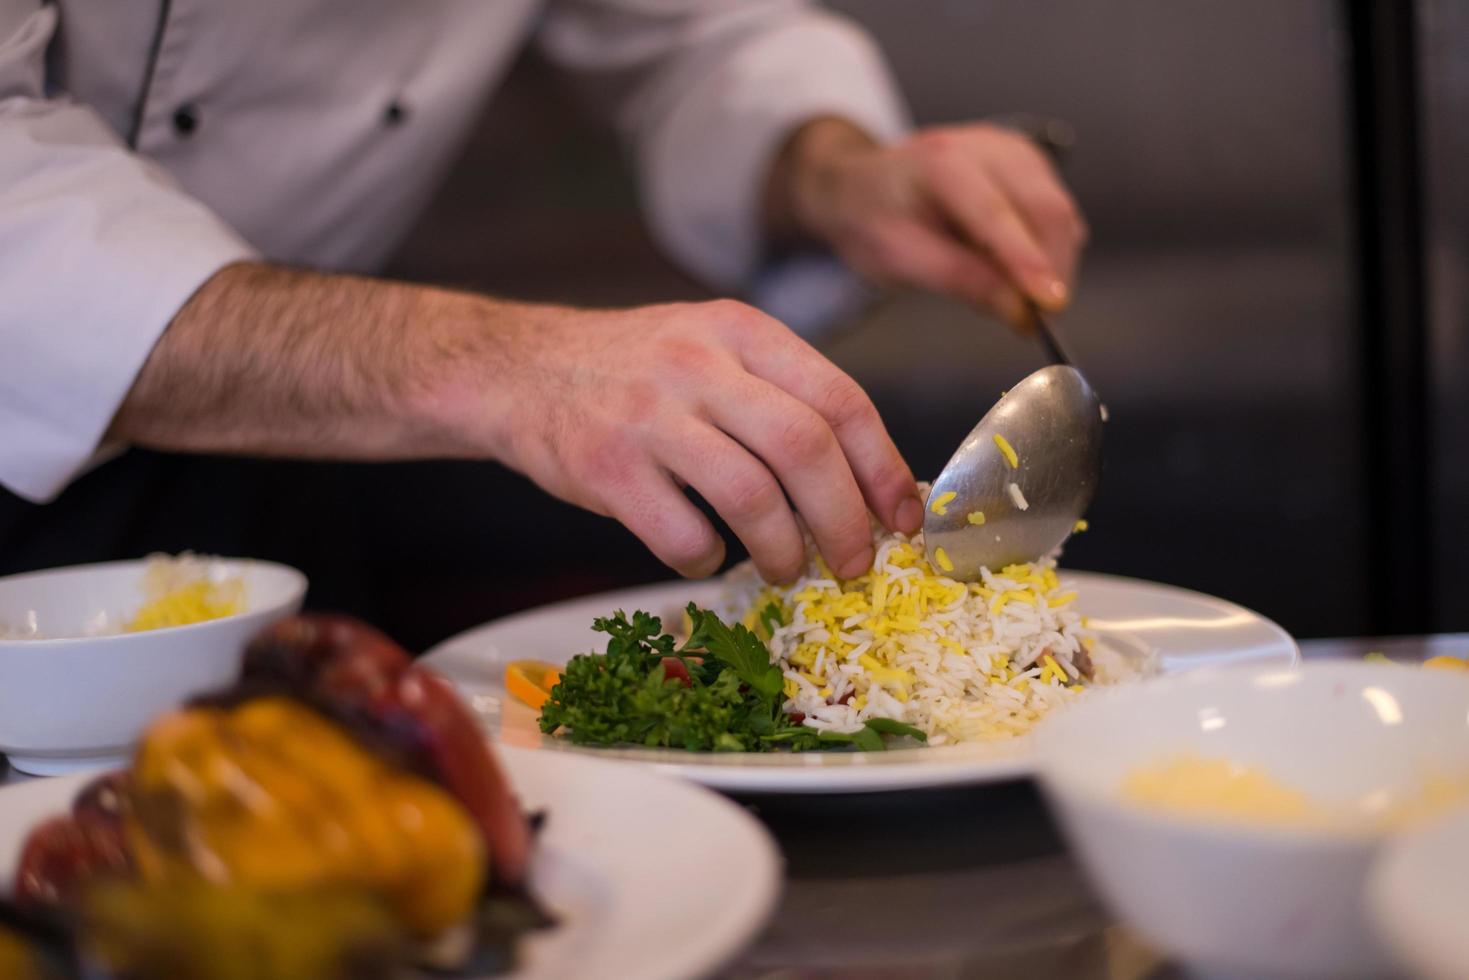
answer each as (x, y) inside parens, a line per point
(737, 648)
(889, 726)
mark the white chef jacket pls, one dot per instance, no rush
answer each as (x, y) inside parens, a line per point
(144, 144)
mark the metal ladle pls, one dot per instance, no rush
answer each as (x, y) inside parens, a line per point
(1053, 422)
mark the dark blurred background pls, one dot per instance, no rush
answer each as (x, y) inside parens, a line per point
(1229, 312)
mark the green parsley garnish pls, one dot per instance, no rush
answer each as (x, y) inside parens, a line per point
(717, 692)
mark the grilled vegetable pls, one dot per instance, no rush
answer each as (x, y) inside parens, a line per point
(270, 795)
(64, 854)
(199, 931)
(335, 814)
(357, 669)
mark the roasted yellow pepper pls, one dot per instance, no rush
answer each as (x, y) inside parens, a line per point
(196, 931)
(274, 796)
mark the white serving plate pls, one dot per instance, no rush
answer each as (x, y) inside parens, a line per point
(1183, 629)
(650, 877)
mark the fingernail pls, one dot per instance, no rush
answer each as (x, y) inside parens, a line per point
(1056, 293)
(859, 565)
(909, 516)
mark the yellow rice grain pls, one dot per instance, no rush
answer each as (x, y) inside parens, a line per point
(1008, 451)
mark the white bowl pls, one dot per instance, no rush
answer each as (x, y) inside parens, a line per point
(1419, 896)
(1230, 898)
(82, 701)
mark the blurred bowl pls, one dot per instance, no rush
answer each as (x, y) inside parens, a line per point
(1419, 895)
(80, 701)
(1237, 898)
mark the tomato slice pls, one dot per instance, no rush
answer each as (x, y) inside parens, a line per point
(675, 669)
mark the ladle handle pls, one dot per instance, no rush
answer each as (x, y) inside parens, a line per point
(1048, 339)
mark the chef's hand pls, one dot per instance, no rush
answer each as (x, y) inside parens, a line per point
(617, 410)
(614, 410)
(975, 211)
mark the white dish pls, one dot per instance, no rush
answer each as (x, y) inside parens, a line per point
(79, 702)
(650, 877)
(1419, 896)
(1183, 629)
(1253, 900)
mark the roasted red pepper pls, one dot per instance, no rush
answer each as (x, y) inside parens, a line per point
(65, 854)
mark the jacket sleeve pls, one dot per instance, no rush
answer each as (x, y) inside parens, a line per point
(98, 249)
(704, 92)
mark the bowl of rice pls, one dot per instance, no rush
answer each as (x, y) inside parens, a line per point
(88, 654)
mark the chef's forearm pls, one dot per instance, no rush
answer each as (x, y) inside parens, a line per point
(276, 361)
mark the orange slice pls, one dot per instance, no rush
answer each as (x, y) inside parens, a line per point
(531, 681)
(1443, 662)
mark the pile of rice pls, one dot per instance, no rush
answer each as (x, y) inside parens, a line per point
(962, 662)
(189, 588)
